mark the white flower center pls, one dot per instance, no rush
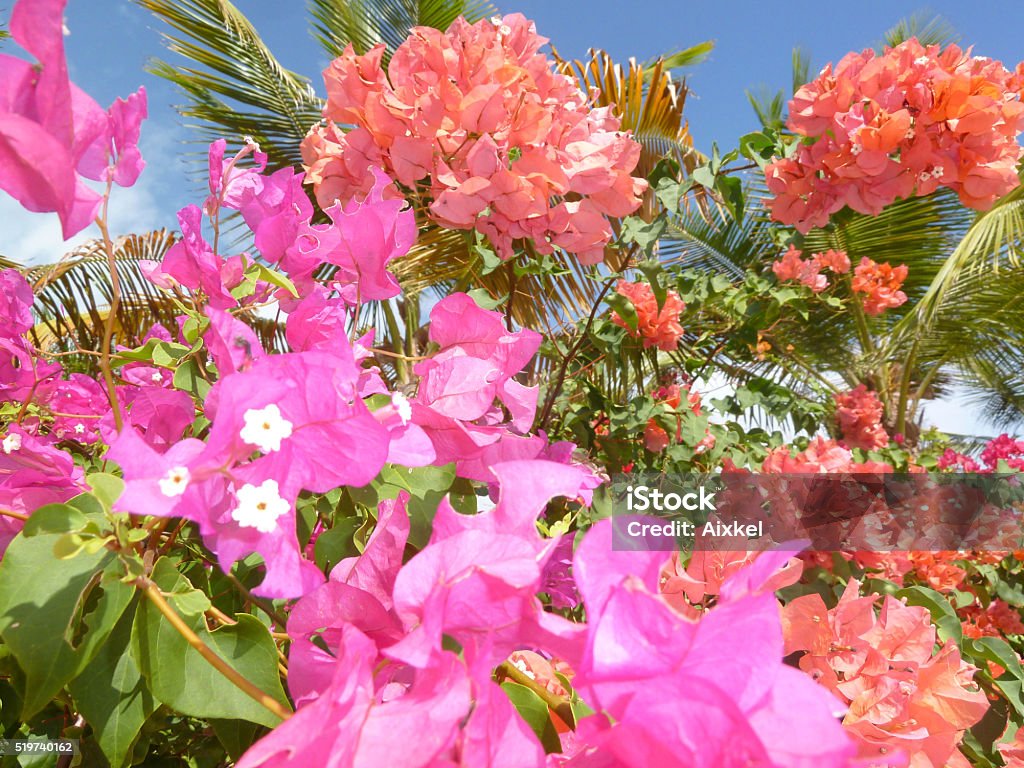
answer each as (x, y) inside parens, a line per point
(259, 506)
(79, 429)
(175, 482)
(401, 405)
(266, 428)
(921, 61)
(157, 377)
(11, 443)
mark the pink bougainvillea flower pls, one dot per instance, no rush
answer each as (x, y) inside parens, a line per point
(475, 366)
(365, 236)
(233, 344)
(32, 474)
(77, 403)
(16, 299)
(880, 284)
(859, 414)
(191, 262)
(836, 261)
(725, 671)
(496, 134)
(659, 329)
(161, 415)
(51, 131)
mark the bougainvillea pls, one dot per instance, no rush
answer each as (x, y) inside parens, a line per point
(657, 327)
(266, 523)
(478, 119)
(888, 126)
(859, 415)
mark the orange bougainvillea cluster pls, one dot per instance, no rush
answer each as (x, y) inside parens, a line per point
(879, 285)
(903, 123)
(902, 695)
(657, 328)
(808, 271)
(859, 415)
(478, 119)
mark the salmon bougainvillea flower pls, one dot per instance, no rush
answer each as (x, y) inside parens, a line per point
(880, 285)
(859, 414)
(481, 117)
(897, 124)
(659, 329)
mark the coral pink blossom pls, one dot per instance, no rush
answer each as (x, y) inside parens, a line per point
(885, 667)
(880, 284)
(891, 126)
(659, 329)
(506, 144)
(859, 414)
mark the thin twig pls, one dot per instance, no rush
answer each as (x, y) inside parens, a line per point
(115, 302)
(560, 705)
(152, 592)
(563, 369)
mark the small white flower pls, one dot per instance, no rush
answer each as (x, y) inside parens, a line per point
(505, 29)
(259, 506)
(921, 60)
(79, 429)
(910, 134)
(157, 377)
(937, 171)
(174, 482)
(252, 143)
(265, 428)
(401, 405)
(11, 443)
(856, 149)
(496, 21)
(923, 176)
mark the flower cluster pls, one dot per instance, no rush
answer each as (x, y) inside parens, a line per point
(478, 119)
(880, 285)
(657, 328)
(859, 415)
(1002, 448)
(885, 668)
(902, 123)
(792, 267)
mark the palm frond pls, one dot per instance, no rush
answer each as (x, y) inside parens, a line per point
(365, 23)
(929, 30)
(72, 296)
(234, 85)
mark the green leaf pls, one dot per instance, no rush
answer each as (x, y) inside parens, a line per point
(236, 736)
(943, 615)
(157, 351)
(107, 488)
(426, 487)
(534, 711)
(335, 544)
(624, 309)
(268, 275)
(653, 270)
(54, 518)
(55, 615)
(112, 696)
(644, 234)
(484, 300)
(189, 379)
(183, 680)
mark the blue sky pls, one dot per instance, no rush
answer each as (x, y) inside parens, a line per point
(110, 42)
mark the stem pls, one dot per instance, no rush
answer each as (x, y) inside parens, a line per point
(153, 594)
(115, 302)
(908, 368)
(396, 341)
(560, 380)
(11, 513)
(512, 278)
(557, 704)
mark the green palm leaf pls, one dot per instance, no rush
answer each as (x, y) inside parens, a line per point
(365, 23)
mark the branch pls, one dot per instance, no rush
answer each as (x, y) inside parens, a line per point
(557, 704)
(152, 592)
